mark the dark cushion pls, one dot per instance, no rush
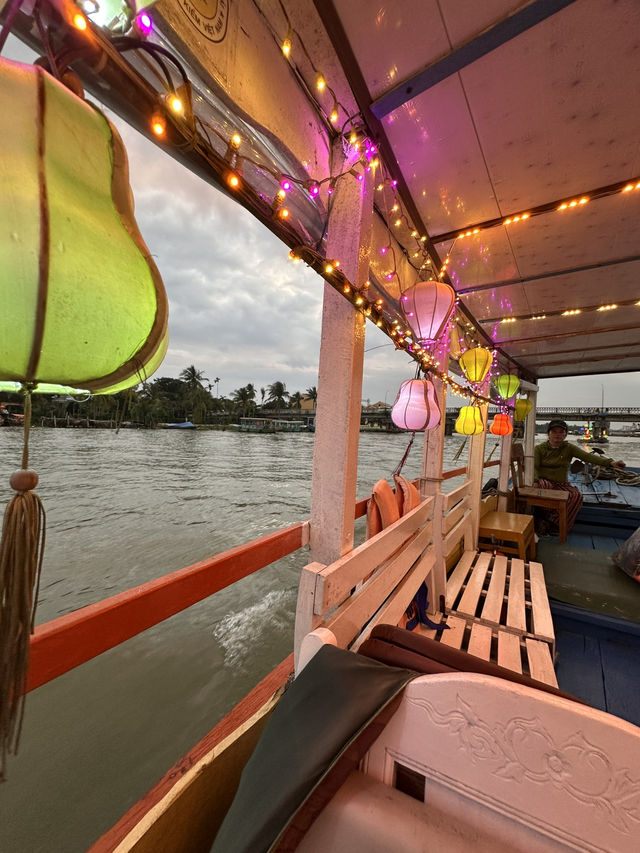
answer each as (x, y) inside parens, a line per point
(398, 647)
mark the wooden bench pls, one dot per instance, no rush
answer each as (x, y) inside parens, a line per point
(493, 766)
(496, 608)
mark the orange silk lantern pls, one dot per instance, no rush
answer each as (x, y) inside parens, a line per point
(475, 363)
(501, 425)
(523, 407)
(469, 421)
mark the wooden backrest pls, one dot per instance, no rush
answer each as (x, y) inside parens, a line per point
(373, 583)
(490, 748)
(455, 515)
(488, 504)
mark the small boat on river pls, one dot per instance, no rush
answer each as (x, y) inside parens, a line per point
(452, 682)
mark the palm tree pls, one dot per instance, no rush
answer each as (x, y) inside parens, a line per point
(278, 393)
(215, 382)
(312, 394)
(243, 398)
(263, 391)
(196, 396)
(295, 400)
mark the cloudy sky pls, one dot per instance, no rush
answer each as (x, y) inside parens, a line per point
(241, 312)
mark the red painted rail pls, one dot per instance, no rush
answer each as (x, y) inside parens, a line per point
(64, 643)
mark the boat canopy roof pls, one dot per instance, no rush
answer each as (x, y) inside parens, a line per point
(507, 134)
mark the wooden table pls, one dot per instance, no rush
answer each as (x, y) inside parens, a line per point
(508, 527)
(550, 499)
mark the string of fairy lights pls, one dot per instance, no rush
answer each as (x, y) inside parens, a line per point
(175, 104)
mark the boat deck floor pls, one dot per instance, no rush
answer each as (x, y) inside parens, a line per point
(607, 492)
(596, 613)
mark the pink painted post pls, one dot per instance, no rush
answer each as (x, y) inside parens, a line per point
(335, 458)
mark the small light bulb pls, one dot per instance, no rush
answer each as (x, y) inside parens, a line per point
(320, 82)
(158, 125)
(233, 180)
(283, 213)
(236, 139)
(333, 118)
(286, 46)
(176, 104)
(80, 22)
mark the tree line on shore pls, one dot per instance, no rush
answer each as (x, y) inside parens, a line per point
(192, 396)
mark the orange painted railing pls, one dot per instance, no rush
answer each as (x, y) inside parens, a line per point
(64, 643)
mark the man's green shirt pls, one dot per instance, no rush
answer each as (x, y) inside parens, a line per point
(551, 463)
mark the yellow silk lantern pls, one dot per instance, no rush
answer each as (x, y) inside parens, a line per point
(501, 425)
(522, 408)
(475, 363)
(507, 385)
(469, 421)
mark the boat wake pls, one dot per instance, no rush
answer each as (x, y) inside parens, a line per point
(245, 634)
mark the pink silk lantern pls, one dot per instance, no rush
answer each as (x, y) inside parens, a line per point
(416, 407)
(427, 305)
(501, 425)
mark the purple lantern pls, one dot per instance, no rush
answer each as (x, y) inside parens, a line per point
(427, 305)
(416, 406)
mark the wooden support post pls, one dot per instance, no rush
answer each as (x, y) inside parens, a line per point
(475, 469)
(433, 447)
(530, 439)
(431, 483)
(504, 470)
(335, 458)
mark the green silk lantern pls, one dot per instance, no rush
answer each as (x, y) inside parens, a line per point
(83, 305)
(83, 302)
(469, 421)
(507, 385)
(475, 363)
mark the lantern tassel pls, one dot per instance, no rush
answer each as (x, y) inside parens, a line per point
(21, 553)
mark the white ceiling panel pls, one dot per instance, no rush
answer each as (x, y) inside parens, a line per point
(554, 114)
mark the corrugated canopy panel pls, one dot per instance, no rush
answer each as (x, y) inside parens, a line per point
(547, 113)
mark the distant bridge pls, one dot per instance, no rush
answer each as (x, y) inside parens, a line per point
(589, 413)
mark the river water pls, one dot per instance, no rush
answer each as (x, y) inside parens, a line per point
(124, 509)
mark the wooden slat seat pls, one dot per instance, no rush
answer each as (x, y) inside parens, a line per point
(501, 592)
(495, 644)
